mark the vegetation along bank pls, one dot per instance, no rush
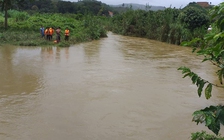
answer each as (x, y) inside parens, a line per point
(89, 19)
(20, 22)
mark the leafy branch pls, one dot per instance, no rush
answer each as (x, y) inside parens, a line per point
(211, 46)
(212, 116)
(201, 83)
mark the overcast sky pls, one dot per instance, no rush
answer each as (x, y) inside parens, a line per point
(166, 3)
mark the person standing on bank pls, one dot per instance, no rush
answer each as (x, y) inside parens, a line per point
(42, 31)
(66, 34)
(51, 32)
(46, 32)
(58, 36)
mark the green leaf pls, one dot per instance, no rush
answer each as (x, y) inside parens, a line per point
(201, 52)
(220, 74)
(185, 43)
(209, 109)
(214, 127)
(194, 78)
(188, 74)
(212, 120)
(209, 119)
(217, 36)
(201, 86)
(208, 91)
(220, 20)
(184, 70)
(190, 43)
(209, 36)
(194, 49)
(198, 117)
(206, 59)
(197, 112)
(220, 10)
(220, 114)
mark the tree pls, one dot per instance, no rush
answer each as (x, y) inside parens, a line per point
(65, 7)
(34, 7)
(193, 17)
(6, 5)
(212, 48)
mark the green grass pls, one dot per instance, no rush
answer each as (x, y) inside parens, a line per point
(25, 31)
(31, 38)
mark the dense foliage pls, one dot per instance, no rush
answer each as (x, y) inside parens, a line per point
(211, 46)
(170, 25)
(193, 18)
(83, 7)
(6, 5)
(58, 6)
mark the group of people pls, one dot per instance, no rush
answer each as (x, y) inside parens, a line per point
(49, 31)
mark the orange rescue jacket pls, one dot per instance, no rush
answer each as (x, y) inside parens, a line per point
(51, 31)
(46, 32)
(66, 32)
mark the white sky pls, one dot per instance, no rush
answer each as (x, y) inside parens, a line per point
(166, 3)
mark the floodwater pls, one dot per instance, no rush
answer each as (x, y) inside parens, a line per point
(116, 88)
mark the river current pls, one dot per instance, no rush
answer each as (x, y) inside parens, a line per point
(115, 88)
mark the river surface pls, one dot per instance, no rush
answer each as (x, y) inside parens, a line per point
(116, 88)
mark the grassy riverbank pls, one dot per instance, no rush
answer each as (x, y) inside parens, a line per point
(170, 25)
(33, 38)
(24, 29)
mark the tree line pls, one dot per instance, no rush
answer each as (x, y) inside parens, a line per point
(82, 7)
(170, 25)
(59, 6)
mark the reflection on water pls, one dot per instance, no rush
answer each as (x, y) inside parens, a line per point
(114, 88)
(17, 74)
(54, 53)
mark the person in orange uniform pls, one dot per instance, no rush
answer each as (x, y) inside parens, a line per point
(51, 31)
(46, 32)
(67, 34)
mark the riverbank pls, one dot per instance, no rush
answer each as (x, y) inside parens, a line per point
(31, 38)
(24, 29)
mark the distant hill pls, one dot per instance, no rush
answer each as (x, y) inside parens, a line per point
(139, 6)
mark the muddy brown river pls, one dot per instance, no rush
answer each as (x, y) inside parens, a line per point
(116, 88)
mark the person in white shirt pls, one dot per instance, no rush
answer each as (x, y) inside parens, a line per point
(209, 28)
